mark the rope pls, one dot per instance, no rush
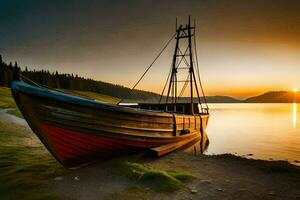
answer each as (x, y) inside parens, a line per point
(184, 86)
(186, 62)
(167, 81)
(182, 57)
(162, 93)
(198, 72)
(29, 80)
(147, 69)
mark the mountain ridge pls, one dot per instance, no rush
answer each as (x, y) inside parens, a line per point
(275, 97)
(75, 82)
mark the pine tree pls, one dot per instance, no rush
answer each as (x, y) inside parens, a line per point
(1, 71)
(16, 73)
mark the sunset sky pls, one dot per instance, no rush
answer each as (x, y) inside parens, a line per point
(245, 47)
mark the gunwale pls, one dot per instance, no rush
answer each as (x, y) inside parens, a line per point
(30, 98)
(19, 86)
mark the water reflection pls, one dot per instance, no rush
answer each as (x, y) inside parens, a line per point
(295, 115)
(197, 147)
(264, 130)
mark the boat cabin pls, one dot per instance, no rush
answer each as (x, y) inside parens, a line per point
(179, 108)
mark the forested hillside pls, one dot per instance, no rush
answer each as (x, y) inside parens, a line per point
(71, 82)
(68, 82)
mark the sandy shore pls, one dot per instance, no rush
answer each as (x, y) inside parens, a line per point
(215, 177)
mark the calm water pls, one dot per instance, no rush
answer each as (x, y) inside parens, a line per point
(268, 131)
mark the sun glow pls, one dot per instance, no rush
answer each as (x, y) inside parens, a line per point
(295, 115)
(295, 89)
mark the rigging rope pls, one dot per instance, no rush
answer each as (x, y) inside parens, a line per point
(167, 81)
(184, 86)
(29, 80)
(198, 72)
(184, 59)
(147, 69)
(182, 56)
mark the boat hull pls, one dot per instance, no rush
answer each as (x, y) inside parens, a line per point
(77, 130)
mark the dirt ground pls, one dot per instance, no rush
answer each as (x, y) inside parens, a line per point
(216, 177)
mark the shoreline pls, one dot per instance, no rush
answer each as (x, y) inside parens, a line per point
(224, 176)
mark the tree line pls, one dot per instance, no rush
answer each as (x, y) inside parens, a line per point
(71, 82)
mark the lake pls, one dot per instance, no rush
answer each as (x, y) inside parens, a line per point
(268, 131)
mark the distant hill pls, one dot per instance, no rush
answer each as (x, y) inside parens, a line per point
(116, 92)
(212, 99)
(221, 99)
(209, 99)
(275, 97)
(71, 82)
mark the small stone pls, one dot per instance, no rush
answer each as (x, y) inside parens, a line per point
(147, 188)
(249, 154)
(193, 191)
(59, 178)
(205, 181)
(271, 193)
(76, 178)
(220, 189)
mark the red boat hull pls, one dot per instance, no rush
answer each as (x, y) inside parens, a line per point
(74, 147)
(78, 131)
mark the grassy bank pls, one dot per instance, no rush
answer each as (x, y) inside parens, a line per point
(6, 100)
(25, 165)
(92, 95)
(156, 179)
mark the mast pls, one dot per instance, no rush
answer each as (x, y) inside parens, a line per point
(191, 70)
(183, 33)
(173, 79)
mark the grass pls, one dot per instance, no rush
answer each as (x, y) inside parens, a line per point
(6, 100)
(155, 179)
(92, 95)
(25, 165)
(15, 112)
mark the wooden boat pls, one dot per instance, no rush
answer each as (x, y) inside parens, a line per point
(78, 130)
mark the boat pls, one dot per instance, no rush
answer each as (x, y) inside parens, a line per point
(78, 130)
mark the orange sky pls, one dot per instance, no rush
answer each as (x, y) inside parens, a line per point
(245, 47)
